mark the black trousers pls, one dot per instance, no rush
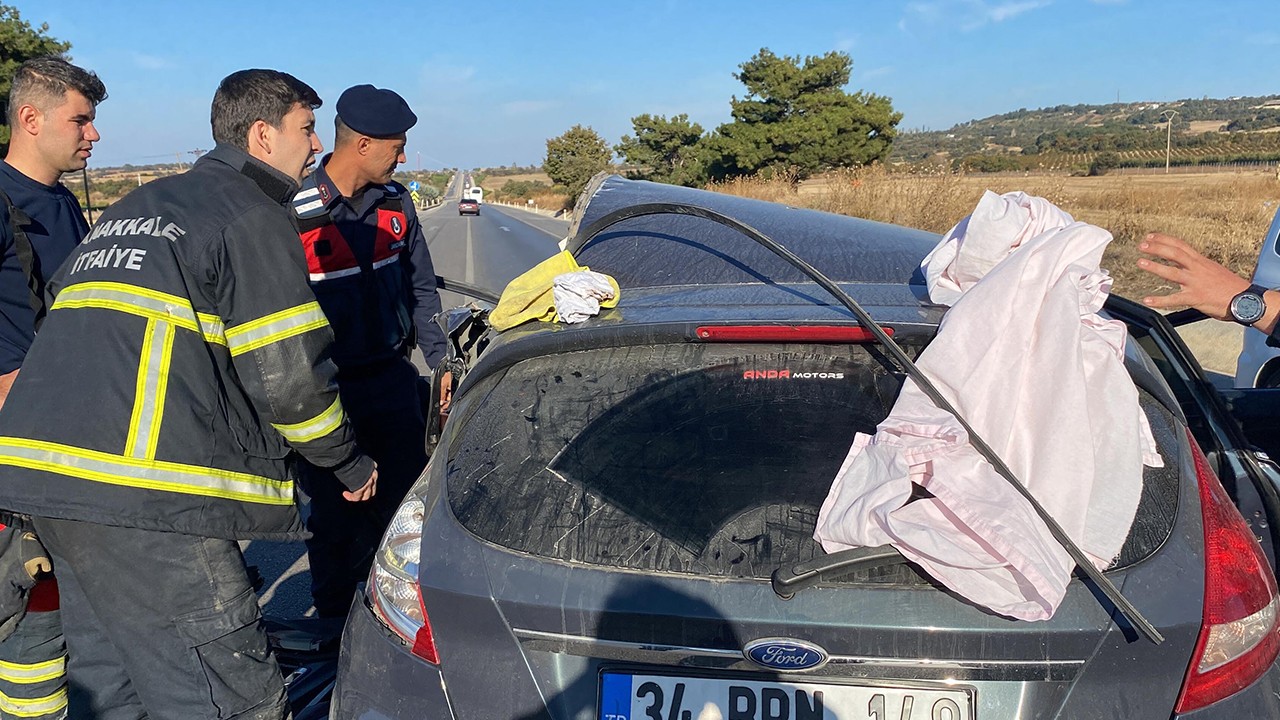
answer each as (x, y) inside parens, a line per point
(33, 676)
(385, 409)
(160, 625)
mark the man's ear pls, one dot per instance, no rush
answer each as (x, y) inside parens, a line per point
(29, 119)
(363, 145)
(261, 137)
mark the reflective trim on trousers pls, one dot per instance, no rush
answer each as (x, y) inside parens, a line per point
(26, 674)
(34, 707)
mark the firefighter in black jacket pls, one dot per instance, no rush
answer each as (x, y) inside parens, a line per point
(159, 416)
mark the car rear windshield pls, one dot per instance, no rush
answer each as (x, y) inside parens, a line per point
(704, 459)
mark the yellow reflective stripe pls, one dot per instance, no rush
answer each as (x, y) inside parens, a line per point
(144, 473)
(212, 327)
(21, 707)
(149, 393)
(143, 302)
(275, 327)
(317, 427)
(26, 674)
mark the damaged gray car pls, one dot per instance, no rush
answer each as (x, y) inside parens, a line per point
(617, 519)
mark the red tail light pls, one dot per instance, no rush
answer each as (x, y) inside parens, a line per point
(424, 645)
(393, 589)
(1238, 637)
(787, 333)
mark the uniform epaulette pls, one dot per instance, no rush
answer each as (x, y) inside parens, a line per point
(308, 203)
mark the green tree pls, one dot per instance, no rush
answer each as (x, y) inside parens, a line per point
(574, 157)
(665, 150)
(19, 42)
(797, 117)
(1103, 163)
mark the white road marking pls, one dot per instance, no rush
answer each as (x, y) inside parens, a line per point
(504, 228)
(535, 227)
(468, 272)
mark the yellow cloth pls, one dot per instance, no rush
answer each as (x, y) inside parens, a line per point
(529, 297)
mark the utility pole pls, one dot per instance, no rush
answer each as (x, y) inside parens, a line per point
(88, 204)
(1168, 137)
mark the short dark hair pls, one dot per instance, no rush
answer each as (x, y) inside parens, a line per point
(42, 82)
(342, 133)
(247, 96)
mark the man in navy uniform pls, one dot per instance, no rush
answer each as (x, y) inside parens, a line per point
(372, 274)
(52, 106)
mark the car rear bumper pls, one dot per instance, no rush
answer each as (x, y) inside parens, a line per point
(379, 678)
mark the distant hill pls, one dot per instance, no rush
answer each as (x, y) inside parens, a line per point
(1123, 134)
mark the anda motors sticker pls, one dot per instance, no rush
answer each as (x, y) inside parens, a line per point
(785, 654)
(790, 375)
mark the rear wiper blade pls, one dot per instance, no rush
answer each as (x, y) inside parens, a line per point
(1126, 608)
(468, 289)
(790, 579)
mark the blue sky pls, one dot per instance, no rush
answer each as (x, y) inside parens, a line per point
(491, 81)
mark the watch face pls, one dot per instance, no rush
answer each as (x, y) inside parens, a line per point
(1247, 308)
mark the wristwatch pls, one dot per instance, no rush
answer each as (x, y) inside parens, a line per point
(1248, 307)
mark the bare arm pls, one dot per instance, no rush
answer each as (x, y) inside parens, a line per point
(1202, 283)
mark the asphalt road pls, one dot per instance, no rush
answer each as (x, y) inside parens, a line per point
(486, 250)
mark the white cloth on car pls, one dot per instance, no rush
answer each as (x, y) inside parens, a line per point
(1024, 356)
(577, 295)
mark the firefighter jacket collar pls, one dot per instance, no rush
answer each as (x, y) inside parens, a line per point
(273, 183)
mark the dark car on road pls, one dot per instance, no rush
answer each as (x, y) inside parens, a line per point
(617, 519)
(468, 206)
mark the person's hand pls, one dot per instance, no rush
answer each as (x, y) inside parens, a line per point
(446, 394)
(6, 382)
(1202, 283)
(367, 491)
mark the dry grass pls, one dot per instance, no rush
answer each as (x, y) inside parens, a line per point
(1225, 215)
(1203, 126)
(546, 199)
(493, 182)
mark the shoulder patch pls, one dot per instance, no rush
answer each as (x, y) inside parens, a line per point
(309, 208)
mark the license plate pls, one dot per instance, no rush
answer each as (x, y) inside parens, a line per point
(658, 697)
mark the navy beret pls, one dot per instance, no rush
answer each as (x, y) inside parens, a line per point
(375, 112)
